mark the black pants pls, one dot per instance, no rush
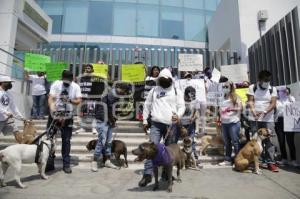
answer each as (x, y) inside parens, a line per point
(281, 135)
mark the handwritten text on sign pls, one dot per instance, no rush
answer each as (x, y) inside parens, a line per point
(190, 62)
(133, 72)
(292, 117)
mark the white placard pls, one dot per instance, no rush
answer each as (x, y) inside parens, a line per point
(295, 90)
(198, 84)
(215, 94)
(237, 73)
(216, 74)
(190, 62)
(292, 117)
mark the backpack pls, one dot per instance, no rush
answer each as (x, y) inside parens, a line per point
(255, 88)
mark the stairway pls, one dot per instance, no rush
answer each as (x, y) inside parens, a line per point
(127, 131)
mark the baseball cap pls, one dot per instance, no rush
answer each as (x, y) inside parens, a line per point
(4, 78)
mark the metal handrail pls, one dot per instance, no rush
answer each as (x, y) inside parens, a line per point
(11, 54)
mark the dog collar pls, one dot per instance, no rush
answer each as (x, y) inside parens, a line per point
(162, 157)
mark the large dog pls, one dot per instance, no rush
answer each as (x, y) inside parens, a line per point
(209, 140)
(17, 154)
(28, 134)
(187, 150)
(161, 155)
(250, 153)
(118, 148)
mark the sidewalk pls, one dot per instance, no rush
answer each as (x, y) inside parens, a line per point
(217, 183)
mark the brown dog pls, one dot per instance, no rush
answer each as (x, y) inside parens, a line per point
(118, 148)
(187, 149)
(161, 155)
(250, 153)
(28, 134)
(215, 141)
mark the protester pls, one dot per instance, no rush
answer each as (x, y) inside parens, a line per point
(285, 99)
(230, 111)
(165, 104)
(262, 100)
(150, 80)
(39, 93)
(63, 95)
(8, 110)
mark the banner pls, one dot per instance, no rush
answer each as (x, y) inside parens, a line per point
(242, 93)
(133, 73)
(292, 117)
(237, 73)
(54, 70)
(92, 86)
(190, 62)
(100, 70)
(36, 62)
(198, 84)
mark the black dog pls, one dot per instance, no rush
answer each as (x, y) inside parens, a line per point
(161, 155)
(118, 148)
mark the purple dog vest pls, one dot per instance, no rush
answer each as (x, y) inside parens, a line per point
(162, 157)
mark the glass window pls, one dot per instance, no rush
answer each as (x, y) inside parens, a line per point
(53, 7)
(208, 17)
(194, 25)
(149, 1)
(56, 23)
(210, 5)
(177, 3)
(126, 1)
(195, 4)
(148, 21)
(172, 23)
(124, 20)
(75, 17)
(100, 18)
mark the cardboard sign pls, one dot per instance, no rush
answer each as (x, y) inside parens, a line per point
(292, 117)
(198, 84)
(133, 72)
(242, 93)
(36, 62)
(100, 70)
(237, 73)
(92, 86)
(190, 62)
(54, 70)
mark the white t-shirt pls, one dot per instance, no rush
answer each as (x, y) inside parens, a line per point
(38, 85)
(189, 109)
(72, 92)
(230, 116)
(7, 105)
(262, 100)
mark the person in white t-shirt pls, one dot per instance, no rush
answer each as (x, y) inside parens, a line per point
(262, 101)
(38, 92)
(230, 115)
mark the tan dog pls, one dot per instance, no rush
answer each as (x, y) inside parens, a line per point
(28, 134)
(250, 153)
(215, 141)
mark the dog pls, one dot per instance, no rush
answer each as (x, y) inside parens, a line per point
(28, 134)
(161, 155)
(118, 148)
(251, 152)
(17, 154)
(187, 150)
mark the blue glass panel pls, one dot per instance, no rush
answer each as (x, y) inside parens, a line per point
(148, 21)
(176, 3)
(211, 5)
(156, 2)
(124, 20)
(56, 23)
(126, 1)
(194, 25)
(75, 17)
(195, 4)
(172, 23)
(53, 7)
(100, 18)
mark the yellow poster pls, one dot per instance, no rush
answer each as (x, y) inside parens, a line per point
(242, 93)
(100, 70)
(133, 72)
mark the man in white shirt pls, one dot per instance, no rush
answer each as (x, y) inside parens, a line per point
(8, 109)
(63, 95)
(166, 106)
(262, 101)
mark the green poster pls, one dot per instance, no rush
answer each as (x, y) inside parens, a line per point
(36, 62)
(133, 72)
(54, 70)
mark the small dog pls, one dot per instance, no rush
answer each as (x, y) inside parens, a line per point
(161, 155)
(187, 150)
(28, 134)
(250, 153)
(209, 140)
(17, 154)
(118, 148)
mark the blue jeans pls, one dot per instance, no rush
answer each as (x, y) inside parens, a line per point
(157, 131)
(191, 131)
(38, 105)
(104, 143)
(231, 133)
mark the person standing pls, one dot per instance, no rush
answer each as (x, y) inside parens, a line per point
(150, 80)
(63, 95)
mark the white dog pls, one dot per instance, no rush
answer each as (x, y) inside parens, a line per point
(17, 154)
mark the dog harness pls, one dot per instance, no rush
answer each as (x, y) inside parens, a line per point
(162, 157)
(39, 150)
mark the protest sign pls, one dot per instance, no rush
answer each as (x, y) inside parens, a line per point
(92, 86)
(198, 84)
(100, 70)
(292, 117)
(242, 93)
(54, 70)
(216, 74)
(215, 95)
(36, 62)
(237, 73)
(133, 72)
(190, 62)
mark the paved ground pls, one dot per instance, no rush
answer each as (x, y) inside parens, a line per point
(108, 183)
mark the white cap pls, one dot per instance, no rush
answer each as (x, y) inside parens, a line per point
(4, 78)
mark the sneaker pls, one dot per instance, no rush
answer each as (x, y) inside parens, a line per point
(272, 167)
(283, 162)
(225, 163)
(145, 180)
(294, 163)
(67, 170)
(108, 164)
(94, 166)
